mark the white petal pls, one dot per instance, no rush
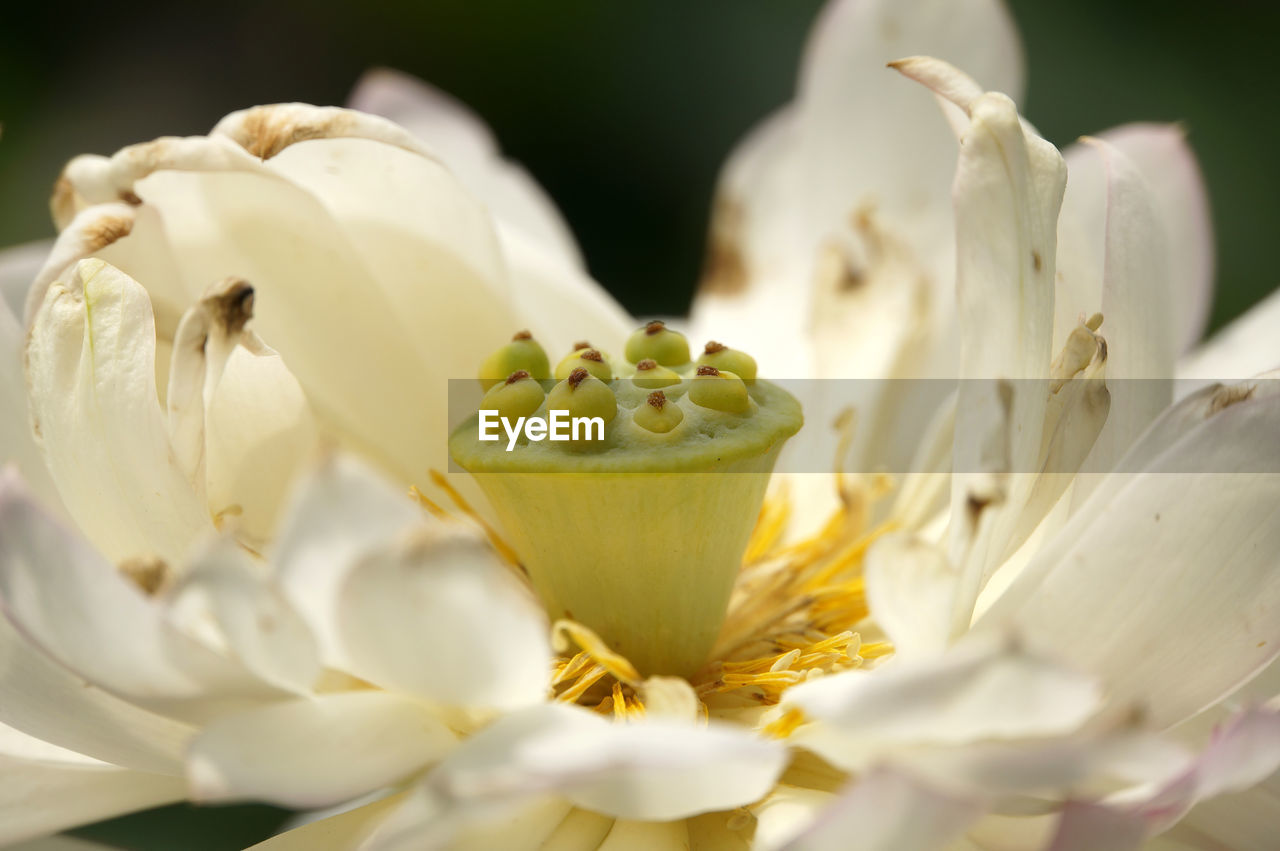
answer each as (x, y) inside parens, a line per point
(461, 139)
(19, 265)
(1172, 560)
(976, 691)
(442, 618)
(39, 797)
(315, 752)
(786, 812)
(260, 435)
(1136, 306)
(642, 835)
(342, 512)
(91, 373)
(796, 180)
(45, 700)
(557, 301)
(888, 809)
(1087, 827)
(911, 587)
(1168, 166)
(257, 623)
(345, 830)
(653, 770)
(1246, 347)
(19, 446)
(1007, 192)
(85, 614)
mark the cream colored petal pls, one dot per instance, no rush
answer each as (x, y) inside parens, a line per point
(79, 609)
(45, 700)
(1137, 309)
(19, 265)
(884, 809)
(976, 691)
(314, 752)
(557, 301)
(785, 812)
(256, 623)
(260, 436)
(1167, 165)
(342, 512)
(17, 445)
(652, 770)
(345, 830)
(1172, 559)
(91, 375)
(1246, 347)
(463, 142)
(40, 797)
(1007, 192)
(802, 176)
(442, 618)
(911, 588)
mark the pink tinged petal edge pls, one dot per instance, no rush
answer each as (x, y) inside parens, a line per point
(888, 808)
(1241, 753)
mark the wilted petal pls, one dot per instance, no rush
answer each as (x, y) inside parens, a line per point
(888, 810)
(976, 691)
(442, 618)
(91, 372)
(314, 752)
(462, 141)
(342, 513)
(69, 601)
(1172, 560)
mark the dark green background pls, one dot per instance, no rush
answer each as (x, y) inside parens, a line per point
(624, 111)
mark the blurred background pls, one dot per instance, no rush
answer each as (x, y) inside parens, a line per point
(623, 111)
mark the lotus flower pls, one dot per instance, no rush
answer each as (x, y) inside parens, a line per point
(216, 587)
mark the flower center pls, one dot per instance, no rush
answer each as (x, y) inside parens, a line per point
(635, 529)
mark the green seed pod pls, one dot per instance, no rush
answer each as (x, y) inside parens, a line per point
(522, 353)
(726, 359)
(719, 391)
(519, 396)
(657, 341)
(583, 395)
(651, 376)
(589, 359)
(657, 414)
